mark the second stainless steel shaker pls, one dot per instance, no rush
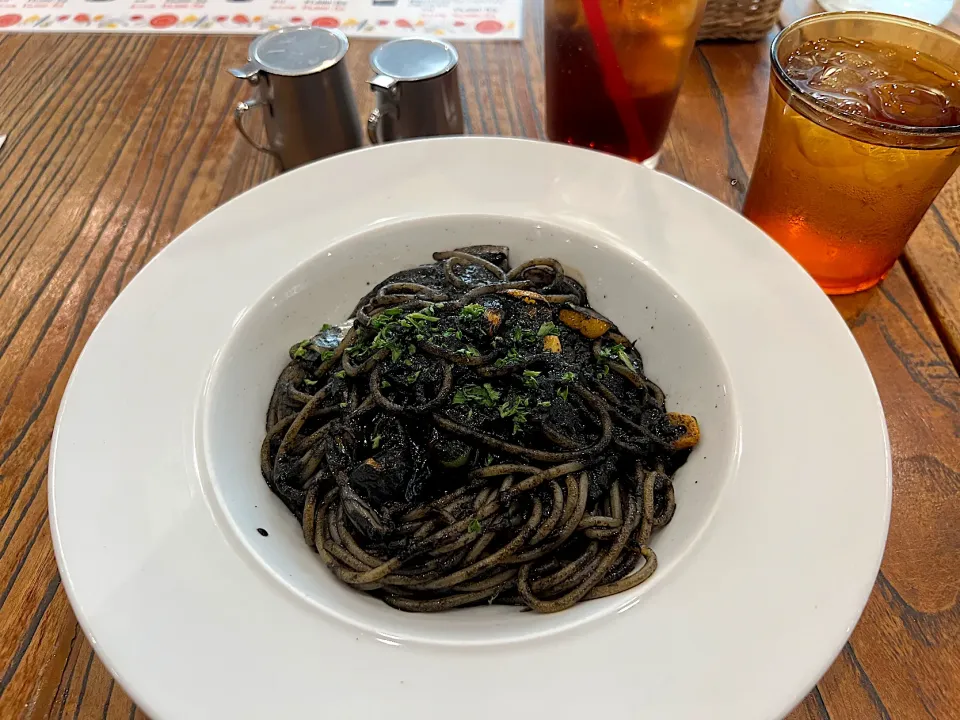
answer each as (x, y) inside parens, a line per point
(305, 93)
(417, 89)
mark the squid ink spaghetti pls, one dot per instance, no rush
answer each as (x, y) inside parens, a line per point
(476, 434)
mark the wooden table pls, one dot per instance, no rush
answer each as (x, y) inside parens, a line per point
(118, 143)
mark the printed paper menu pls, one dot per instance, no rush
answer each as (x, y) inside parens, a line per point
(452, 19)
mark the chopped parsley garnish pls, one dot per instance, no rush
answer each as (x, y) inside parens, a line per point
(521, 336)
(309, 383)
(484, 395)
(612, 351)
(341, 374)
(512, 356)
(548, 328)
(563, 392)
(568, 377)
(472, 311)
(474, 526)
(376, 442)
(516, 410)
(530, 378)
(618, 352)
(299, 351)
(386, 317)
(384, 383)
(412, 377)
(395, 330)
(308, 350)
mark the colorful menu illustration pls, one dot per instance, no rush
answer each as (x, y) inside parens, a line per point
(453, 19)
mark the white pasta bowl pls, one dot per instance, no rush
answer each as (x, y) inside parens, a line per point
(157, 500)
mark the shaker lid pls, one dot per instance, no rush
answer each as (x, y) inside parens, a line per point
(298, 50)
(413, 58)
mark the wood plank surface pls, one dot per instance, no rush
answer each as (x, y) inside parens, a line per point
(118, 143)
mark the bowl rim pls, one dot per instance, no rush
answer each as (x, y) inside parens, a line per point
(121, 556)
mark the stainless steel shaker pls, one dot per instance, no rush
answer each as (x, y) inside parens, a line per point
(417, 89)
(304, 90)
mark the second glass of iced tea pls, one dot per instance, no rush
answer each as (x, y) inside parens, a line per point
(862, 131)
(614, 69)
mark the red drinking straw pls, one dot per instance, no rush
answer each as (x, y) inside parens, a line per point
(615, 82)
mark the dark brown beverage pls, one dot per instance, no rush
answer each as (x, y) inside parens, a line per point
(647, 45)
(580, 112)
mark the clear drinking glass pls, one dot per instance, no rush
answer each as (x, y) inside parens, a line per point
(844, 193)
(614, 69)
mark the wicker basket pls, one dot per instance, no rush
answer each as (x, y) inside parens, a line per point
(739, 19)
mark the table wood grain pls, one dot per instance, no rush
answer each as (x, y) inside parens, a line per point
(118, 143)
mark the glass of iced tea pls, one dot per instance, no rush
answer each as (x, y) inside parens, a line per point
(862, 131)
(614, 69)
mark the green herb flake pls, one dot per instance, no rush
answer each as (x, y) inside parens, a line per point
(548, 328)
(412, 377)
(488, 461)
(376, 442)
(299, 350)
(568, 377)
(343, 404)
(341, 374)
(523, 336)
(472, 311)
(612, 351)
(423, 317)
(474, 526)
(309, 383)
(511, 357)
(563, 392)
(384, 383)
(486, 395)
(625, 360)
(516, 410)
(545, 403)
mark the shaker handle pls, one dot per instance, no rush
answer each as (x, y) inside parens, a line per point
(386, 87)
(238, 113)
(373, 126)
(373, 123)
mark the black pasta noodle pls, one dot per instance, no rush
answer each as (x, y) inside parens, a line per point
(476, 434)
